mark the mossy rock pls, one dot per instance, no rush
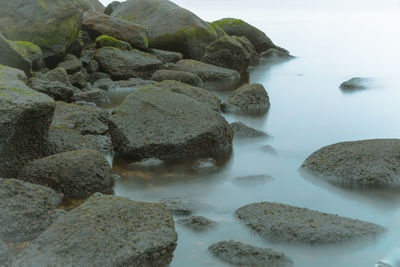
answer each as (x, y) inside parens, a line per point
(13, 57)
(105, 40)
(30, 50)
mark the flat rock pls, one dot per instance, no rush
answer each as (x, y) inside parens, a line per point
(26, 210)
(242, 130)
(248, 97)
(77, 174)
(3, 253)
(166, 56)
(366, 163)
(105, 231)
(180, 76)
(197, 223)
(284, 223)
(240, 254)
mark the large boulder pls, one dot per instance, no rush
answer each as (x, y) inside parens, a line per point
(12, 57)
(169, 26)
(154, 122)
(367, 163)
(284, 223)
(26, 210)
(97, 24)
(123, 65)
(25, 117)
(77, 174)
(176, 75)
(105, 231)
(248, 97)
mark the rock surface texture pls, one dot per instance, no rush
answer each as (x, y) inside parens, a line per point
(180, 76)
(248, 97)
(197, 223)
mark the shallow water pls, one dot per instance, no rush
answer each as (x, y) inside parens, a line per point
(333, 41)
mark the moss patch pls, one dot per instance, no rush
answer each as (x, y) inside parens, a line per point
(105, 40)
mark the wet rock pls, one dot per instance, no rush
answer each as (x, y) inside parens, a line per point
(71, 64)
(3, 253)
(241, 254)
(26, 210)
(200, 95)
(166, 56)
(105, 231)
(58, 75)
(154, 122)
(371, 163)
(180, 205)
(180, 30)
(248, 97)
(147, 163)
(111, 7)
(31, 51)
(10, 56)
(55, 89)
(242, 130)
(280, 222)
(252, 180)
(105, 40)
(77, 174)
(180, 76)
(275, 55)
(63, 139)
(97, 96)
(205, 165)
(356, 83)
(197, 223)
(122, 64)
(102, 143)
(25, 117)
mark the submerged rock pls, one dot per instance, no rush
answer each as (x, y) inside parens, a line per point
(105, 231)
(248, 97)
(280, 222)
(197, 223)
(180, 76)
(242, 130)
(356, 83)
(241, 254)
(252, 180)
(205, 166)
(372, 163)
(3, 253)
(180, 205)
(269, 150)
(147, 163)
(166, 56)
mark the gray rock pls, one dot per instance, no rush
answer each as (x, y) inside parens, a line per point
(108, 41)
(369, 163)
(102, 143)
(26, 210)
(252, 180)
(200, 95)
(105, 231)
(248, 97)
(275, 55)
(10, 56)
(79, 79)
(3, 253)
(31, 51)
(93, 66)
(207, 165)
(58, 75)
(180, 76)
(95, 76)
(97, 96)
(166, 56)
(241, 254)
(111, 7)
(242, 130)
(180, 205)
(63, 139)
(122, 64)
(280, 222)
(25, 117)
(154, 122)
(77, 174)
(356, 83)
(71, 64)
(197, 223)
(55, 89)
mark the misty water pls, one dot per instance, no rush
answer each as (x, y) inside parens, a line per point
(333, 41)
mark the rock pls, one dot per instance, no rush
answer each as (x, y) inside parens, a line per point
(79, 79)
(180, 205)
(83, 119)
(102, 143)
(269, 150)
(200, 95)
(3, 253)
(55, 89)
(93, 66)
(366, 163)
(25, 117)
(122, 64)
(205, 166)
(166, 56)
(180, 30)
(275, 55)
(26, 210)
(241, 254)
(147, 163)
(180, 76)
(252, 180)
(12, 57)
(63, 139)
(356, 83)
(105, 231)
(31, 51)
(248, 97)
(242, 130)
(58, 75)
(71, 64)
(87, 54)
(97, 96)
(197, 223)
(77, 174)
(154, 122)
(284, 223)
(107, 84)
(111, 7)
(105, 40)
(95, 76)
(383, 264)
(97, 24)
(81, 42)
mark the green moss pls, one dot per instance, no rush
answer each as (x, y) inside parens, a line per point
(105, 40)
(229, 21)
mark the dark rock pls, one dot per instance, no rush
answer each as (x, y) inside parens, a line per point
(77, 174)
(96, 96)
(105, 40)
(96, 76)
(166, 56)
(79, 79)
(105, 231)
(242, 130)
(275, 55)
(154, 122)
(63, 139)
(55, 89)
(102, 143)
(93, 66)
(3, 253)
(180, 205)
(252, 180)
(269, 150)
(25, 117)
(26, 210)
(356, 83)
(241, 254)
(180, 76)
(10, 56)
(280, 222)
(111, 7)
(248, 97)
(58, 75)
(197, 223)
(122, 64)
(71, 64)
(87, 54)
(31, 51)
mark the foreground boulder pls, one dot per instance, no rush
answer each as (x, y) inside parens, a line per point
(280, 222)
(77, 174)
(105, 231)
(25, 117)
(180, 76)
(180, 30)
(10, 56)
(154, 122)
(248, 97)
(367, 163)
(241, 254)
(26, 210)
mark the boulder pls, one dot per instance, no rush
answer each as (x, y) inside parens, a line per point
(25, 117)
(180, 76)
(102, 143)
(71, 64)
(248, 97)
(79, 79)
(97, 24)
(55, 89)
(105, 231)
(12, 57)
(197, 223)
(284, 223)
(63, 139)
(58, 75)
(241, 254)
(356, 83)
(242, 130)
(180, 30)
(97, 96)
(105, 40)
(31, 51)
(111, 7)
(166, 56)
(95, 76)
(154, 122)
(275, 55)
(123, 65)
(26, 210)
(77, 174)
(3, 253)
(366, 163)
